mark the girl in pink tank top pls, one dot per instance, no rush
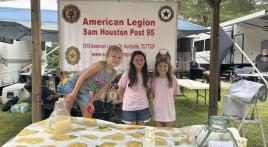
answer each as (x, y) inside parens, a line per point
(164, 89)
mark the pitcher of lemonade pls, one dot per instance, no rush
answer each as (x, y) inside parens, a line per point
(60, 118)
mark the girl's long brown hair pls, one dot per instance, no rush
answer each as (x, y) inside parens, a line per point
(169, 72)
(132, 75)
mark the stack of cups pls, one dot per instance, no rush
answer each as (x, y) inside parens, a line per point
(241, 141)
(149, 137)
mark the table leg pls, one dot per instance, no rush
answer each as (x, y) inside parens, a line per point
(197, 99)
(182, 94)
(205, 97)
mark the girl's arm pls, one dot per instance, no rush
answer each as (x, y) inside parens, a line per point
(121, 92)
(52, 97)
(122, 84)
(176, 87)
(152, 87)
(87, 73)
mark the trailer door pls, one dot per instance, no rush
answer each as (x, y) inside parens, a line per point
(238, 56)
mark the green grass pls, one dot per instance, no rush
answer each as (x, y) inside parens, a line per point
(12, 123)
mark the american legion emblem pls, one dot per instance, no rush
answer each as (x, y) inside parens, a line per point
(72, 55)
(70, 13)
(165, 13)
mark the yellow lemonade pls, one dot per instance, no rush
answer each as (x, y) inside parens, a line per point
(60, 124)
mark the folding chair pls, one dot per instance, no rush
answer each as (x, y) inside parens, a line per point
(234, 77)
(241, 104)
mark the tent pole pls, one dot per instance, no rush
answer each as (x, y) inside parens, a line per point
(214, 58)
(36, 61)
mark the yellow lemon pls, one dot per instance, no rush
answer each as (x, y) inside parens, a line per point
(21, 139)
(108, 144)
(90, 121)
(130, 128)
(182, 142)
(125, 129)
(36, 140)
(160, 142)
(117, 137)
(161, 134)
(137, 135)
(103, 129)
(77, 144)
(134, 144)
(110, 126)
(26, 132)
(165, 128)
(49, 131)
(175, 134)
(178, 135)
(92, 137)
(185, 142)
(62, 137)
(135, 127)
(106, 137)
(78, 129)
(42, 123)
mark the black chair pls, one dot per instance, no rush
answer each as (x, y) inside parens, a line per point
(196, 73)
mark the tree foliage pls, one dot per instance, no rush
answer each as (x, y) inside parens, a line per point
(53, 58)
(236, 8)
(198, 11)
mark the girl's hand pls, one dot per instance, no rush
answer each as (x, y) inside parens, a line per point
(90, 108)
(69, 97)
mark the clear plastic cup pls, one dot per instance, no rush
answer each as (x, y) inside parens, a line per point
(241, 141)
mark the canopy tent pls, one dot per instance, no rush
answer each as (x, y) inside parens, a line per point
(186, 28)
(15, 23)
(44, 4)
(16, 31)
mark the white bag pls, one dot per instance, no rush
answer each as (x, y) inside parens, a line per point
(244, 90)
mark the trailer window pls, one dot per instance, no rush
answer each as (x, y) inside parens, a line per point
(199, 45)
(207, 44)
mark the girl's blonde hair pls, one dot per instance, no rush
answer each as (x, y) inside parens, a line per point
(114, 49)
(169, 72)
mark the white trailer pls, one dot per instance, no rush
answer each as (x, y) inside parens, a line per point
(15, 24)
(247, 31)
(14, 56)
(16, 60)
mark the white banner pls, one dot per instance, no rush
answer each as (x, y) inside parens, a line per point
(88, 28)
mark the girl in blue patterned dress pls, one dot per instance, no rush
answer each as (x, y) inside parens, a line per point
(94, 79)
